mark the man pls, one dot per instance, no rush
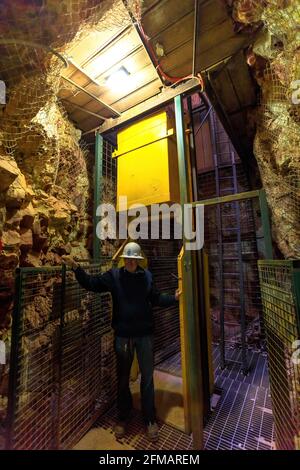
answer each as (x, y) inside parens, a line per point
(133, 295)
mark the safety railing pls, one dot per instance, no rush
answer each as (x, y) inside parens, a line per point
(280, 291)
(62, 363)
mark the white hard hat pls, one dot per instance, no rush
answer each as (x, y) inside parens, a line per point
(132, 250)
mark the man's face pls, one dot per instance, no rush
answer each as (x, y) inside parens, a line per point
(130, 264)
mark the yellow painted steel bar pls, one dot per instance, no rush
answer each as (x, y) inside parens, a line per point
(184, 346)
(169, 134)
(229, 198)
(194, 365)
(208, 323)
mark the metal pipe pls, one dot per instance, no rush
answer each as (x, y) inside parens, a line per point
(196, 34)
(193, 151)
(203, 120)
(229, 198)
(83, 109)
(77, 67)
(84, 90)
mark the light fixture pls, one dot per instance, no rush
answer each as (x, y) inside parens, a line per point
(118, 79)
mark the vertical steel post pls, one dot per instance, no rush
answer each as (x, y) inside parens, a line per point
(199, 279)
(97, 192)
(193, 350)
(14, 359)
(212, 128)
(241, 270)
(265, 217)
(296, 289)
(59, 363)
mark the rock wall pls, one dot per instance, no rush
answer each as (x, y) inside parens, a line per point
(45, 208)
(275, 63)
(45, 171)
(44, 195)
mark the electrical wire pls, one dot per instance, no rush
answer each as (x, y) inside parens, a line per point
(173, 80)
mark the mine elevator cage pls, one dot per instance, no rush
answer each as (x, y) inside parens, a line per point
(193, 363)
(54, 386)
(266, 230)
(197, 372)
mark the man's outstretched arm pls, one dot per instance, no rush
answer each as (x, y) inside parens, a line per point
(160, 299)
(97, 283)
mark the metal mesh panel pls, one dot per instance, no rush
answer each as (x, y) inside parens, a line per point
(228, 264)
(34, 400)
(162, 261)
(207, 182)
(108, 192)
(276, 144)
(109, 174)
(88, 378)
(63, 373)
(162, 257)
(233, 237)
(282, 329)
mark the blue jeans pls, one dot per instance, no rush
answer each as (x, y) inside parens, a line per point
(124, 348)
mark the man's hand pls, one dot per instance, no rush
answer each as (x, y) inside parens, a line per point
(69, 261)
(178, 293)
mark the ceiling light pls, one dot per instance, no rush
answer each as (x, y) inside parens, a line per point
(118, 78)
(159, 49)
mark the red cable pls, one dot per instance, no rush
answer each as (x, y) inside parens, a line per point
(158, 66)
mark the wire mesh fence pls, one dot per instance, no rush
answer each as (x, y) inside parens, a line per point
(162, 262)
(233, 240)
(279, 281)
(35, 42)
(62, 373)
(276, 144)
(88, 378)
(108, 190)
(233, 269)
(63, 367)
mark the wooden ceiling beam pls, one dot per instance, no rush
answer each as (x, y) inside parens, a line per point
(133, 94)
(105, 105)
(80, 69)
(149, 105)
(84, 110)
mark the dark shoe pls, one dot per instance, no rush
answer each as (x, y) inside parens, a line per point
(120, 429)
(152, 432)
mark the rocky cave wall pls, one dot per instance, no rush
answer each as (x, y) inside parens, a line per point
(45, 194)
(275, 63)
(45, 169)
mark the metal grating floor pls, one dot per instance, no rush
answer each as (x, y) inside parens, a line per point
(172, 365)
(169, 437)
(242, 419)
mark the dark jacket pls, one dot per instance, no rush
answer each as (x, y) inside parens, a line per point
(133, 296)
